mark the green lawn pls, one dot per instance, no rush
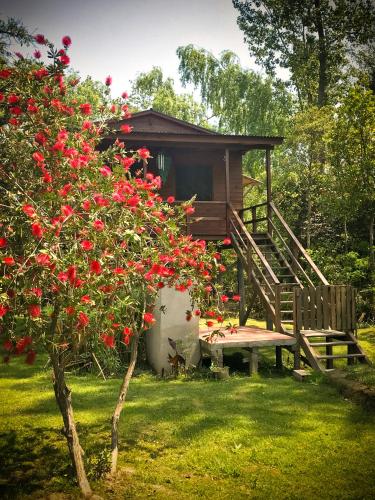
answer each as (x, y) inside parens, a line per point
(264, 437)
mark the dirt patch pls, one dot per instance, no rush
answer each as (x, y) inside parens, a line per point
(353, 390)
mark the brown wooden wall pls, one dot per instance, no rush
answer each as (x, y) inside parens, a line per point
(215, 159)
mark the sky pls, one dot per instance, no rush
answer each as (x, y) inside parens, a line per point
(124, 37)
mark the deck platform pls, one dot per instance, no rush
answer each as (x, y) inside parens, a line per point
(249, 338)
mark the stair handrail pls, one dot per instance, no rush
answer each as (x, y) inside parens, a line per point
(295, 240)
(254, 246)
(291, 255)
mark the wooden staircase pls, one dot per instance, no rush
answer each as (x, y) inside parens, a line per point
(297, 297)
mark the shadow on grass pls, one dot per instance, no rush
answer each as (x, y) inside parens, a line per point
(174, 410)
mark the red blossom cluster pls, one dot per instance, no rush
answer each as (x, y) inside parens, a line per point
(95, 238)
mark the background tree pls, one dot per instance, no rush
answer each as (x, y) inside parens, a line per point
(152, 90)
(313, 39)
(12, 31)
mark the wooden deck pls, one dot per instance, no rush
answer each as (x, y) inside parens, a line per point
(247, 337)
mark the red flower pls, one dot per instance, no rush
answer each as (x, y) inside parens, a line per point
(30, 357)
(143, 153)
(38, 157)
(108, 81)
(108, 340)
(149, 318)
(126, 129)
(43, 259)
(37, 54)
(13, 99)
(29, 210)
(170, 199)
(105, 171)
(189, 210)
(37, 230)
(70, 310)
(86, 108)
(16, 110)
(224, 298)
(227, 241)
(40, 39)
(236, 298)
(5, 73)
(8, 345)
(67, 210)
(124, 95)
(98, 225)
(66, 41)
(65, 59)
(95, 267)
(209, 324)
(83, 319)
(3, 310)
(36, 291)
(86, 299)
(86, 245)
(34, 310)
(197, 312)
(3, 242)
(9, 261)
(71, 274)
(22, 344)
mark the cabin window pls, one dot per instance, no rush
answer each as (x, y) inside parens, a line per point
(194, 180)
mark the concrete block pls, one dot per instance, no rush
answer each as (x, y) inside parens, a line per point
(172, 323)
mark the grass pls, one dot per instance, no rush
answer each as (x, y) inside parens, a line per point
(262, 437)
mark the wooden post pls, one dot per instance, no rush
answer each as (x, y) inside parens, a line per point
(329, 352)
(279, 357)
(227, 187)
(269, 190)
(241, 291)
(253, 360)
(144, 168)
(269, 322)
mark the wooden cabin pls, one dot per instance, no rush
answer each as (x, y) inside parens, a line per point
(298, 300)
(194, 161)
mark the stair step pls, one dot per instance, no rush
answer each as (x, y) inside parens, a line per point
(331, 333)
(332, 344)
(286, 301)
(338, 356)
(289, 312)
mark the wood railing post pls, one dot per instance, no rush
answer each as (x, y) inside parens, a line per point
(278, 308)
(254, 218)
(241, 290)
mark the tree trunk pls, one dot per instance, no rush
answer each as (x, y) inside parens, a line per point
(371, 242)
(308, 222)
(64, 401)
(120, 403)
(322, 88)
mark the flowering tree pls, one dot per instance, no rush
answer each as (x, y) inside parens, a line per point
(84, 246)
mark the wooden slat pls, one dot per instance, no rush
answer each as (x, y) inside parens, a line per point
(338, 308)
(319, 308)
(312, 293)
(344, 313)
(297, 310)
(302, 251)
(354, 322)
(332, 296)
(326, 308)
(306, 312)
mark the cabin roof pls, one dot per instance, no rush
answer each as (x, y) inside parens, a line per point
(154, 127)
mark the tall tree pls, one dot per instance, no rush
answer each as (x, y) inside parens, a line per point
(314, 39)
(241, 101)
(152, 90)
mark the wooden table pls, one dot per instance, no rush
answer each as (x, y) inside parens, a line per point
(249, 338)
